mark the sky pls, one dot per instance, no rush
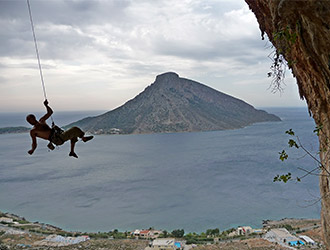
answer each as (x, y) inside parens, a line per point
(98, 54)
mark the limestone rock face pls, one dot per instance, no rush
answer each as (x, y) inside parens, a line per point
(300, 31)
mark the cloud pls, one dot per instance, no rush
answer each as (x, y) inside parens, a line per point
(111, 47)
(66, 29)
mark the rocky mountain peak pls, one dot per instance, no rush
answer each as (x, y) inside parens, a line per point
(175, 104)
(168, 76)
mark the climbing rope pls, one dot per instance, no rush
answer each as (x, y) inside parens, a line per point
(37, 52)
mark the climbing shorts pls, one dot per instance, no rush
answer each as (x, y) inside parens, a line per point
(70, 134)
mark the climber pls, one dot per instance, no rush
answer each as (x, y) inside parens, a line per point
(54, 135)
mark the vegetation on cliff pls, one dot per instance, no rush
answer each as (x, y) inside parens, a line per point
(300, 32)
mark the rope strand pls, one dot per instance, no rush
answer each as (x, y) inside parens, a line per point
(37, 52)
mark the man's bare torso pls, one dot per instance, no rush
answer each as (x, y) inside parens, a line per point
(41, 130)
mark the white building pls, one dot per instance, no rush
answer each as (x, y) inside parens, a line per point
(147, 233)
(6, 220)
(136, 233)
(280, 235)
(244, 230)
(164, 244)
(307, 239)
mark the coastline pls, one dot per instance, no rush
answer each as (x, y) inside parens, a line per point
(16, 233)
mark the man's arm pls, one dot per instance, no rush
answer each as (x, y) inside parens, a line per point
(49, 113)
(34, 141)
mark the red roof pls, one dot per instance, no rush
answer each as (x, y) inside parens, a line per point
(144, 231)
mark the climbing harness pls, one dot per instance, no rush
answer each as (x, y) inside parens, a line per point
(56, 131)
(56, 136)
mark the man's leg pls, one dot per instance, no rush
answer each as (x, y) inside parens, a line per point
(72, 134)
(73, 143)
(87, 138)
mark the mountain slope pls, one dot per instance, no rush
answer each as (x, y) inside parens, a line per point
(174, 104)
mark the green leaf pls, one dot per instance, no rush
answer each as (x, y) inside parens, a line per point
(318, 129)
(285, 178)
(292, 143)
(322, 150)
(290, 132)
(283, 155)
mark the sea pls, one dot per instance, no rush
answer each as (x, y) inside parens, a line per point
(193, 181)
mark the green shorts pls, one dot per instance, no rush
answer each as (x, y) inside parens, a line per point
(70, 134)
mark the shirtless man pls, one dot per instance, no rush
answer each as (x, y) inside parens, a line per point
(42, 130)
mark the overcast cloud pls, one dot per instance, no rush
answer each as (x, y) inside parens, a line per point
(97, 54)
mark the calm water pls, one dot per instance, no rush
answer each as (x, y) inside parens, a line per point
(193, 181)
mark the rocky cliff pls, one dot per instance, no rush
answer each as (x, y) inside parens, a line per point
(174, 104)
(300, 32)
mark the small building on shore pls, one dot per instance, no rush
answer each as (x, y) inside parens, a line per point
(244, 230)
(136, 233)
(283, 237)
(166, 244)
(307, 239)
(146, 233)
(6, 220)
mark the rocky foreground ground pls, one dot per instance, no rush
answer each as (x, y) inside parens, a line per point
(18, 233)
